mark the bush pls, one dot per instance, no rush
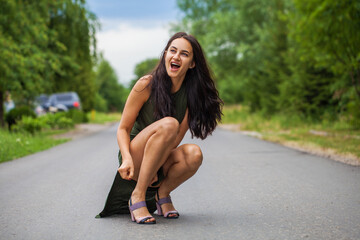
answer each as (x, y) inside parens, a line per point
(64, 122)
(77, 116)
(17, 113)
(353, 113)
(58, 120)
(28, 124)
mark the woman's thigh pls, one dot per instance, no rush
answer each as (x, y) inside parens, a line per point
(168, 126)
(189, 155)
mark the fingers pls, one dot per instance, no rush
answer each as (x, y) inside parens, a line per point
(131, 173)
(126, 173)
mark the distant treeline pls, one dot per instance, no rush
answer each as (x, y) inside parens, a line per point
(50, 46)
(290, 56)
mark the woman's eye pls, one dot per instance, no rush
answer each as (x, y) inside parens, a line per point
(172, 51)
(185, 54)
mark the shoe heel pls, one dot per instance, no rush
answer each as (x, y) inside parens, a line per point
(132, 216)
(159, 211)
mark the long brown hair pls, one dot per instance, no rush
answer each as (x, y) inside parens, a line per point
(203, 99)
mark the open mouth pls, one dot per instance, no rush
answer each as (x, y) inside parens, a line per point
(174, 66)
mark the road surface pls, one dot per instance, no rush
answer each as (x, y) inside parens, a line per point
(246, 188)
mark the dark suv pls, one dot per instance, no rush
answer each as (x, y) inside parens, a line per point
(64, 101)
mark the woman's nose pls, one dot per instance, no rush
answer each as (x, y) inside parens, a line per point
(177, 55)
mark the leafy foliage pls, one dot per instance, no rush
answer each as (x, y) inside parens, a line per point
(111, 94)
(16, 114)
(291, 56)
(77, 116)
(46, 47)
(143, 68)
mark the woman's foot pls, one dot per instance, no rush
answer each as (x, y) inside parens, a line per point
(139, 211)
(165, 206)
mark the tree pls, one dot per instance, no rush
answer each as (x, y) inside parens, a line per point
(110, 90)
(290, 56)
(245, 42)
(46, 47)
(143, 68)
(24, 57)
(326, 34)
(74, 27)
(329, 30)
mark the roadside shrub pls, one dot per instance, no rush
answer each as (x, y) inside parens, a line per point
(17, 113)
(28, 124)
(64, 123)
(57, 121)
(77, 116)
(353, 113)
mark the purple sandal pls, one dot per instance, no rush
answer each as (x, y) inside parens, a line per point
(163, 201)
(133, 207)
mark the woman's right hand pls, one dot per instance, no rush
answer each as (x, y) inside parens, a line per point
(126, 169)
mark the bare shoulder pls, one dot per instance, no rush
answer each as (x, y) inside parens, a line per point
(143, 84)
(142, 88)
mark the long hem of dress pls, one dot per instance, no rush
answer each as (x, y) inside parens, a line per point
(119, 195)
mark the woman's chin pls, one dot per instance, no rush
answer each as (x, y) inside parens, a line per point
(172, 74)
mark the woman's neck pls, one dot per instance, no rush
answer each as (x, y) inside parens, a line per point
(176, 84)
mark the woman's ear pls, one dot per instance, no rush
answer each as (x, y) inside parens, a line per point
(192, 65)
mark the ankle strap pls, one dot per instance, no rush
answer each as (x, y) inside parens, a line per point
(137, 205)
(164, 200)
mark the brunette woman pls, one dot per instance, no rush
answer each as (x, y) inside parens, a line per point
(179, 95)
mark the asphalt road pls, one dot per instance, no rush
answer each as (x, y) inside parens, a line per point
(245, 189)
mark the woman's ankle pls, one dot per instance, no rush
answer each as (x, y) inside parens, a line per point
(162, 194)
(138, 196)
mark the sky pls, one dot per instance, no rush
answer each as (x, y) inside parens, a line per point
(132, 31)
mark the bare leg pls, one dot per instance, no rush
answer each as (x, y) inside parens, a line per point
(182, 164)
(149, 150)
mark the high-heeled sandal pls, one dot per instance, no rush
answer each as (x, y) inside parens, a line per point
(162, 201)
(133, 207)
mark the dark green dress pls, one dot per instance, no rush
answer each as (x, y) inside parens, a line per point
(120, 192)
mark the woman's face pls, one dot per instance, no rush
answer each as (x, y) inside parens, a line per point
(179, 58)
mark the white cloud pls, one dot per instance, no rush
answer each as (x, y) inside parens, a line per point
(124, 44)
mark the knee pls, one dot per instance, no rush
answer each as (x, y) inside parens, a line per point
(193, 157)
(169, 126)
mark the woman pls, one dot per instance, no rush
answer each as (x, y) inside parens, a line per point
(179, 95)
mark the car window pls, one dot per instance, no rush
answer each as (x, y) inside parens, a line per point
(64, 97)
(42, 99)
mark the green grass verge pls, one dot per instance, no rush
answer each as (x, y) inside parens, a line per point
(101, 118)
(16, 145)
(339, 136)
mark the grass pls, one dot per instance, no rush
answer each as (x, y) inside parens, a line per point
(102, 118)
(337, 136)
(16, 145)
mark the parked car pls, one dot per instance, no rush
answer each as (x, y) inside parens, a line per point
(42, 99)
(63, 102)
(40, 104)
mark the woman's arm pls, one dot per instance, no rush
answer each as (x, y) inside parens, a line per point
(136, 99)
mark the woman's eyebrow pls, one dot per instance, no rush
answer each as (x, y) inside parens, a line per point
(181, 50)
